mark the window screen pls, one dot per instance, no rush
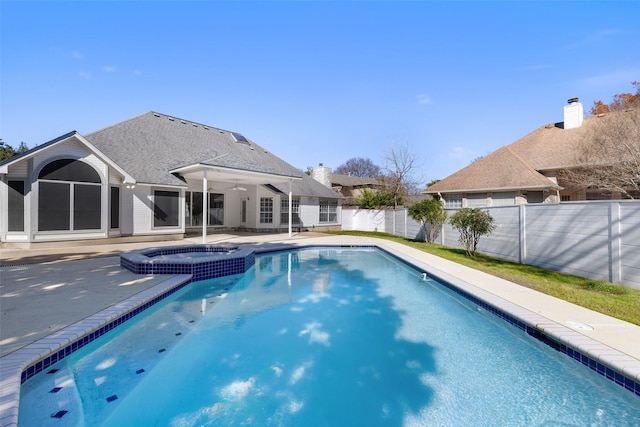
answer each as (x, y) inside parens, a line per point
(86, 207)
(15, 204)
(166, 211)
(54, 212)
(69, 170)
(115, 208)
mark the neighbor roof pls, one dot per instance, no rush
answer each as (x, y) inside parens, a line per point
(351, 181)
(519, 165)
(152, 144)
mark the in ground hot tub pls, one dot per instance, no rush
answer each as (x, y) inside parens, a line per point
(201, 261)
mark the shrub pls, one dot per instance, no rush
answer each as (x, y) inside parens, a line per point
(472, 223)
(429, 212)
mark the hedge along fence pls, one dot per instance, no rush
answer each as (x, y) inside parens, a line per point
(595, 239)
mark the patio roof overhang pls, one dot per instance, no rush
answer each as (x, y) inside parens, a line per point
(237, 176)
(204, 172)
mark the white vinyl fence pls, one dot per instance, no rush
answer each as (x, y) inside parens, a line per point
(595, 239)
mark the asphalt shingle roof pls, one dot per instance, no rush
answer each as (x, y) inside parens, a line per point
(150, 145)
(519, 165)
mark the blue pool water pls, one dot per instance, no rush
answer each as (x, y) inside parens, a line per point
(321, 337)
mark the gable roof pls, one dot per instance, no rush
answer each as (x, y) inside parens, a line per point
(501, 170)
(4, 166)
(520, 164)
(151, 145)
(352, 181)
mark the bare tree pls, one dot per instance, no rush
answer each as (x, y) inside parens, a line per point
(361, 167)
(609, 157)
(400, 165)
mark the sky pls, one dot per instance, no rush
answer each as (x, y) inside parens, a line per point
(317, 82)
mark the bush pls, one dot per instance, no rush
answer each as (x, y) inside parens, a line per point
(472, 223)
(429, 212)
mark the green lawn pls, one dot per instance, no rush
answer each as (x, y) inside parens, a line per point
(609, 298)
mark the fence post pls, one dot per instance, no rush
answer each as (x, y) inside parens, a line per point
(615, 237)
(404, 210)
(523, 234)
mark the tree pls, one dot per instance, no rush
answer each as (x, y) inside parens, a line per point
(472, 223)
(400, 165)
(372, 199)
(7, 151)
(358, 166)
(621, 101)
(429, 212)
(608, 158)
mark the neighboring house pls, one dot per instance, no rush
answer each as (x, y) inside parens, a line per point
(155, 175)
(525, 171)
(350, 187)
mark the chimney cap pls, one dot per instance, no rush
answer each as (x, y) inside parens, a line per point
(572, 100)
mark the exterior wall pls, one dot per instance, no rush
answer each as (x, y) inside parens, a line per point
(597, 239)
(28, 170)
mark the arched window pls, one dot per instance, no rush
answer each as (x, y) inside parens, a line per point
(69, 196)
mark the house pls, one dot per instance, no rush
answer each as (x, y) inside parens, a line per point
(156, 176)
(350, 187)
(526, 171)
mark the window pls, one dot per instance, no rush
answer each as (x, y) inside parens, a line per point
(328, 210)
(166, 210)
(216, 209)
(284, 211)
(452, 201)
(115, 208)
(266, 210)
(565, 198)
(476, 200)
(69, 197)
(503, 199)
(15, 204)
(194, 209)
(54, 212)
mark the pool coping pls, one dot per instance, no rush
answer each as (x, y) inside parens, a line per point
(613, 364)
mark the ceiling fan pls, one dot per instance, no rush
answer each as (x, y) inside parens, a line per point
(237, 187)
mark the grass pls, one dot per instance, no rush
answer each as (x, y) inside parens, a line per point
(611, 299)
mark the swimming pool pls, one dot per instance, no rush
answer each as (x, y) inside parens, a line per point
(323, 336)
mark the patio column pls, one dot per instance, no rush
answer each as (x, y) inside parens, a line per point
(205, 208)
(290, 208)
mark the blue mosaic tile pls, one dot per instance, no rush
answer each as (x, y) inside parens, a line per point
(59, 414)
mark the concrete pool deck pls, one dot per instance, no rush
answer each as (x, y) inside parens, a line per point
(47, 288)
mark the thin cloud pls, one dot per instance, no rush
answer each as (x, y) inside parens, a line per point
(109, 69)
(597, 37)
(424, 99)
(84, 74)
(621, 77)
(460, 153)
(74, 54)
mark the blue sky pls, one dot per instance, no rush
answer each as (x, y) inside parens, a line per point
(316, 82)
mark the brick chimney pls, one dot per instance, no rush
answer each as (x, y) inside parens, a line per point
(573, 114)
